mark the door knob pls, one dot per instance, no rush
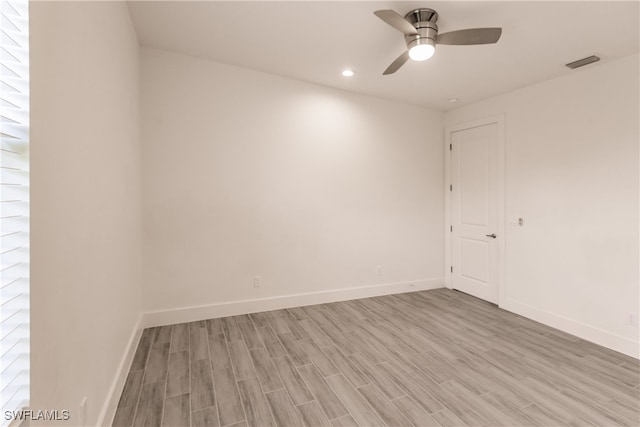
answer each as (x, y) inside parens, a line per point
(493, 236)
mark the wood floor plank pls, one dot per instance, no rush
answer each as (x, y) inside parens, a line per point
(330, 403)
(162, 335)
(383, 406)
(623, 394)
(347, 309)
(297, 313)
(390, 338)
(271, 342)
(378, 376)
(260, 320)
(483, 413)
(506, 388)
(446, 418)
(315, 354)
(506, 407)
(278, 321)
(241, 360)
(543, 399)
(414, 389)
(366, 312)
(242, 318)
(231, 330)
(619, 373)
(413, 412)
(292, 380)
(198, 345)
(340, 340)
(207, 417)
(176, 411)
(312, 415)
(157, 364)
(337, 319)
(316, 334)
(214, 326)
(255, 404)
(315, 313)
(346, 366)
(613, 409)
(294, 326)
(284, 413)
(250, 335)
(540, 416)
(142, 352)
(293, 349)
(572, 406)
(202, 394)
(432, 367)
(229, 402)
(178, 374)
(179, 337)
(358, 407)
(401, 334)
(150, 405)
(366, 348)
(126, 409)
(266, 372)
(346, 421)
(219, 352)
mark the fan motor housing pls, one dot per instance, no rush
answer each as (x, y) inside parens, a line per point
(424, 20)
(422, 16)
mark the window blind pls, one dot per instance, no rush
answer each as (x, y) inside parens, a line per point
(14, 206)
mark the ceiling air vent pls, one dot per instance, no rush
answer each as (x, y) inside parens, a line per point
(582, 62)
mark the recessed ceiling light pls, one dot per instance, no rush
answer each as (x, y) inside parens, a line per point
(348, 73)
(453, 100)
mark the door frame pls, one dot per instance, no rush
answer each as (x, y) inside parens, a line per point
(501, 231)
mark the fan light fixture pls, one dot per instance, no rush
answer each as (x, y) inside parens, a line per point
(421, 35)
(421, 52)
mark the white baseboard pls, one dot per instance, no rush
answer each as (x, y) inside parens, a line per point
(574, 327)
(191, 314)
(113, 396)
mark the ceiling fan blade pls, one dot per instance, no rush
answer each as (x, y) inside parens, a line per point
(395, 65)
(396, 21)
(470, 36)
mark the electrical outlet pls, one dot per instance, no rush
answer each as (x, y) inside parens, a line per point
(257, 281)
(83, 411)
(631, 319)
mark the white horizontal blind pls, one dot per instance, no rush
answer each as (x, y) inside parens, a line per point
(14, 206)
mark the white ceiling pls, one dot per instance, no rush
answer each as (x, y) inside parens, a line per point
(314, 41)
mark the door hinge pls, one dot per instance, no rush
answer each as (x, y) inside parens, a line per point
(450, 147)
(452, 268)
(451, 188)
(452, 228)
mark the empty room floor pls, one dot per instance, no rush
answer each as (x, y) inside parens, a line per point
(430, 358)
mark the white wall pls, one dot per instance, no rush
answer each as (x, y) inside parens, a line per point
(572, 174)
(85, 195)
(311, 188)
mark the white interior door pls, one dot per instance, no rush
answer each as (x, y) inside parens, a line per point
(474, 211)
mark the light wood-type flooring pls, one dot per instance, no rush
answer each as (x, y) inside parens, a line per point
(430, 358)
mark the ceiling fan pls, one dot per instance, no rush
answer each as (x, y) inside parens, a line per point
(421, 35)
